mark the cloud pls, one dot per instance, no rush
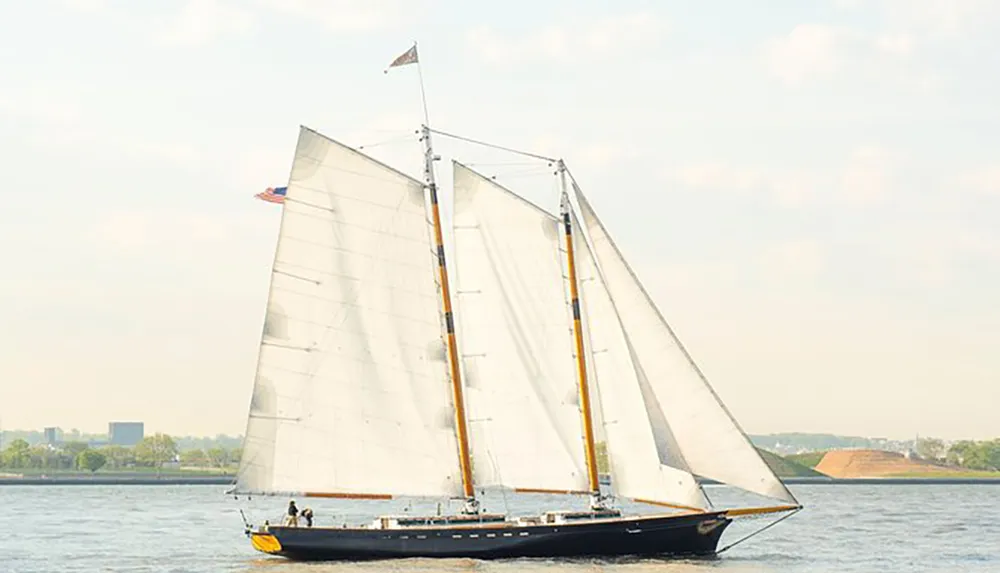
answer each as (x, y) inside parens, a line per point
(42, 107)
(783, 188)
(569, 43)
(348, 15)
(100, 144)
(938, 255)
(86, 5)
(57, 123)
(868, 176)
(895, 44)
(808, 50)
(932, 18)
(818, 51)
(202, 21)
(792, 259)
(183, 234)
(982, 181)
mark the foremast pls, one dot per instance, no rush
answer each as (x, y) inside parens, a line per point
(458, 398)
(590, 451)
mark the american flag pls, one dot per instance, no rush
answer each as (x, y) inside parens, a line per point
(273, 194)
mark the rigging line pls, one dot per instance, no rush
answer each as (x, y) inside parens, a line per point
(485, 144)
(496, 163)
(761, 530)
(529, 172)
(401, 138)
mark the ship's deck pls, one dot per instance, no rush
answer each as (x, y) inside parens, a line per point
(492, 521)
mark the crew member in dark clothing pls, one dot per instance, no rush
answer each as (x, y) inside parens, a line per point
(307, 514)
(293, 515)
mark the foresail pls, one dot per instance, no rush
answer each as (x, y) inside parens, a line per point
(709, 440)
(514, 326)
(351, 396)
(640, 467)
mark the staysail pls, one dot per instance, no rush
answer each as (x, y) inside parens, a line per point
(517, 351)
(351, 396)
(690, 417)
(642, 468)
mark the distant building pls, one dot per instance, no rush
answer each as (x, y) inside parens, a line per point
(53, 436)
(125, 433)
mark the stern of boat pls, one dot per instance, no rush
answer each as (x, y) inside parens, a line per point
(263, 541)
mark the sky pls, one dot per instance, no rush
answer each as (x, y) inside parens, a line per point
(810, 190)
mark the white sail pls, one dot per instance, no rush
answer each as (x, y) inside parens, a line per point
(640, 468)
(514, 325)
(693, 420)
(352, 396)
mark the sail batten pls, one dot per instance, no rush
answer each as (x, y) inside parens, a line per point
(351, 397)
(710, 442)
(517, 346)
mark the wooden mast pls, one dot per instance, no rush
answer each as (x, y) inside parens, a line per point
(581, 362)
(461, 428)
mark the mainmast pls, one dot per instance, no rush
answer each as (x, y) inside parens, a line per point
(461, 429)
(581, 362)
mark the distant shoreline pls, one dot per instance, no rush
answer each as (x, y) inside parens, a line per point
(892, 481)
(146, 479)
(119, 479)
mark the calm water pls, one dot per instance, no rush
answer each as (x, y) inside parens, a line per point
(197, 529)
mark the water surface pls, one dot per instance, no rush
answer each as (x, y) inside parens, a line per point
(197, 529)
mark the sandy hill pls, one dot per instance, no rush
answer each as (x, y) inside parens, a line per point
(874, 463)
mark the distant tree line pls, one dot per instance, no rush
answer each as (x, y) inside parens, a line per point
(34, 437)
(973, 455)
(152, 452)
(983, 455)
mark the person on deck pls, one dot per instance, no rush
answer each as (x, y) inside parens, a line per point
(307, 514)
(293, 515)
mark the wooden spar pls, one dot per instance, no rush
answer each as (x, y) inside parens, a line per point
(461, 429)
(337, 495)
(581, 361)
(761, 510)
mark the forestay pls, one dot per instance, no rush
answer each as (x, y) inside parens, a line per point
(641, 468)
(708, 439)
(352, 394)
(514, 325)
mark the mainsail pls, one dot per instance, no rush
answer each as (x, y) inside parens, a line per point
(517, 352)
(351, 396)
(690, 422)
(642, 468)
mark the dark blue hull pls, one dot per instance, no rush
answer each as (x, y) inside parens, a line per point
(686, 534)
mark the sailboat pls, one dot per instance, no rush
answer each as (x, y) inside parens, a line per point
(376, 380)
